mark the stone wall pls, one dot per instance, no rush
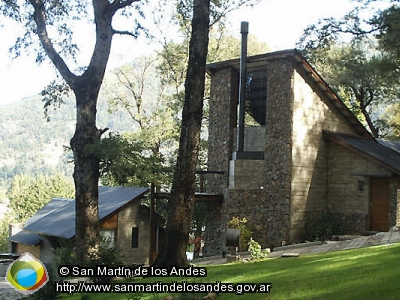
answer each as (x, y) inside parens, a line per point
(222, 121)
(215, 229)
(265, 198)
(278, 153)
(397, 217)
(394, 207)
(245, 173)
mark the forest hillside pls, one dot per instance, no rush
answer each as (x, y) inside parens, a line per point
(33, 145)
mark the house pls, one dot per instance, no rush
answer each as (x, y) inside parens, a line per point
(302, 153)
(122, 218)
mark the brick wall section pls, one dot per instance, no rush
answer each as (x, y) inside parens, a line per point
(133, 216)
(345, 199)
(34, 250)
(311, 116)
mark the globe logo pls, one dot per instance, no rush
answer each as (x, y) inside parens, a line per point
(27, 274)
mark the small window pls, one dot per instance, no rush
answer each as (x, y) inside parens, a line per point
(135, 237)
(108, 236)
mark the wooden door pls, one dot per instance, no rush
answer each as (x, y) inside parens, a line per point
(379, 204)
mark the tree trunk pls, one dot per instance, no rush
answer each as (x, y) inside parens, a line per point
(371, 124)
(86, 88)
(86, 172)
(86, 176)
(181, 203)
(364, 97)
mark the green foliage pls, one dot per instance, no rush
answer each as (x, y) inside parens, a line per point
(64, 255)
(138, 157)
(362, 75)
(245, 231)
(33, 146)
(127, 160)
(321, 226)
(109, 254)
(28, 194)
(5, 233)
(147, 296)
(364, 68)
(388, 34)
(390, 123)
(255, 250)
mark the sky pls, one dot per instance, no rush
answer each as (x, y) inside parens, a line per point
(279, 23)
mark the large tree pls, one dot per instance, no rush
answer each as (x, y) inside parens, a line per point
(363, 76)
(52, 23)
(360, 59)
(181, 203)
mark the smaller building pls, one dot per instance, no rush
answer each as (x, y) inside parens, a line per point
(123, 219)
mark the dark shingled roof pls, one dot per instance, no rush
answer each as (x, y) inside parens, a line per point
(390, 144)
(26, 238)
(57, 218)
(369, 148)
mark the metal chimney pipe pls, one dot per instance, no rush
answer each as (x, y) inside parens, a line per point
(244, 30)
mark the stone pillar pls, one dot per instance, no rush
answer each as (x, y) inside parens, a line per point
(222, 121)
(278, 151)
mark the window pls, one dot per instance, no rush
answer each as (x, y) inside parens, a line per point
(109, 236)
(256, 96)
(135, 237)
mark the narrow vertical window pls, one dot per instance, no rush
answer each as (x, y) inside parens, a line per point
(135, 237)
(255, 98)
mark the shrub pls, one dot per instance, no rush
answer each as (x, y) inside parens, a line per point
(64, 255)
(4, 233)
(322, 226)
(245, 231)
(109, 254)
(255, 250)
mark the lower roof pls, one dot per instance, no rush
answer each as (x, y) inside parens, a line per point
(26, 238)
(57, 218)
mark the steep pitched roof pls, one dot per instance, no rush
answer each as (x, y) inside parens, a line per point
(57, 218)
(370, 149)
(307, 72)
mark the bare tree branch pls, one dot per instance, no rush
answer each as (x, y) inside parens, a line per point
(40, 19)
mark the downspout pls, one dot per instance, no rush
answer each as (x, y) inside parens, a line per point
(244, 30)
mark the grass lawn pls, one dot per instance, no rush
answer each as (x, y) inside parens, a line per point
(367, 273)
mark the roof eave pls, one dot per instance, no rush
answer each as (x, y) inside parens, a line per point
(348, 146)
